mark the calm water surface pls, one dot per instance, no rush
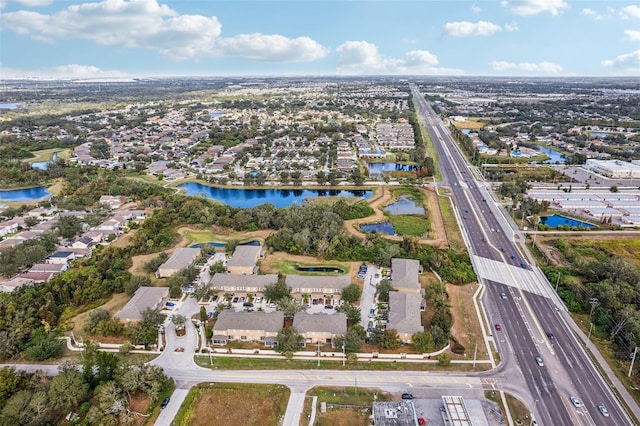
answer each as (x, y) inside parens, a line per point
(248, 198)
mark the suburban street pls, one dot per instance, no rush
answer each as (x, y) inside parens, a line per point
(529, 308)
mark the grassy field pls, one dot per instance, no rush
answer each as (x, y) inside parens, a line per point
(47, 154)
(233, 404)
(333, 363)
(469, 124)
(466, 328)
(286, 267)
(450, 224)
(363, 397)
(410, 224)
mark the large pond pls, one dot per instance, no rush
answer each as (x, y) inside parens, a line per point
(381, 228)
(9, 105)
(248, 198)
(555, 157)
(557, 220)
(404, 206)
(380, 168)
(26, 194)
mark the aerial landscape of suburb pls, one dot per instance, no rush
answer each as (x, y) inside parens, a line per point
(322, 212)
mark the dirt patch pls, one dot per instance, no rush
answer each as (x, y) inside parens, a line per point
(466, 328)
(231, 405)
(124, 240)
(140, 404)
(383, 198)
(343, 417)
(118, 300)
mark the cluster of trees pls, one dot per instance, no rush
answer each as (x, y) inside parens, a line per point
(605, 285)
(441, 321)
(99, 391)
(145, 332)
(25, 254)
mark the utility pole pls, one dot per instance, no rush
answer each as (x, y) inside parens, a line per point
(318, 353)
(557, 281)
(593, 302)
(635, 351)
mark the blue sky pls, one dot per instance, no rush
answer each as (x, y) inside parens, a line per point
(138, 38)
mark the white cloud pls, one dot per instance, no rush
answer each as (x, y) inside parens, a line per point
(534, 7)
(476, 9)
(260, 47)
(70, 71)
(147, 24)
(630, 12)
(362, 57)
(470, 29)
(527, 68)
(591, 13)
(512, 27)
(27, 3)
(626, 63)
(632, 35)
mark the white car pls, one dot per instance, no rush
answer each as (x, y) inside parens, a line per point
(576, 402)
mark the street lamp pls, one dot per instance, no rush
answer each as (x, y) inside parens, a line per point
(344, 354)
(533, 413)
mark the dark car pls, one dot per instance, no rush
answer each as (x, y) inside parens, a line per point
(165, 402)
(328, 306)
(407, 395)
(498, 328)
(247, 305)
(550, 335)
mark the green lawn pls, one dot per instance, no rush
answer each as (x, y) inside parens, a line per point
(333, 363)
(287, 267)
(410, 224)
(47, 154)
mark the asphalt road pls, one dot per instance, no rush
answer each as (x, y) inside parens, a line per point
(524, 316)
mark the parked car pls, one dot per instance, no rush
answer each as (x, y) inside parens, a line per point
(328, 306)
(407, 395)
(372, 313)
(247, 305)
(170, 304)
(235, 300)
(165, 402)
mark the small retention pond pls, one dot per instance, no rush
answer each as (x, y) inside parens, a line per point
(319, 269)
(557, 220)
(380, 228)
(404, 206)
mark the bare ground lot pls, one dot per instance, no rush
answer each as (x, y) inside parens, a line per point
(466, 328)
(232, 404)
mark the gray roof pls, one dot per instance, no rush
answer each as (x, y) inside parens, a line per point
(245, 256)
(221, 280)
(144, 297)
(335, 324)
(404, 273)
(404, 312)
(181, 258)
(261, 321)
(317, 281)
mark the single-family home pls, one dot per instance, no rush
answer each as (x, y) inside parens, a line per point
(9, 285)
(244, 260)
(143, 298)
(83, 242)
(323, 328)
(8, 227)
(404, 275)
(404, 314)
(260, 327)
(62, 257)
(55, 268)
(111, 201)
(180, 259)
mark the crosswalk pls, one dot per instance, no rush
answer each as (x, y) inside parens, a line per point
(510, 275)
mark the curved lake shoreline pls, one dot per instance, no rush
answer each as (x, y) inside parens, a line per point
(239, 197)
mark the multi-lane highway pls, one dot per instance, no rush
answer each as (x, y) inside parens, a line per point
(521, 302)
